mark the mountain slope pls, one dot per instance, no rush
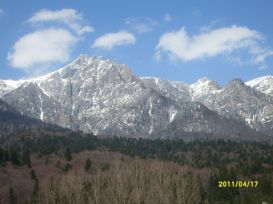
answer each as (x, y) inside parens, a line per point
(240, 102)
(250, 106)
(263, 84)
(9, 85)
(177, 91)
(13, 123)
(97, 95)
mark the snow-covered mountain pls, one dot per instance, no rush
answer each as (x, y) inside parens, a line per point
(263, 84)
(9, 85)
(177, 91)
(241, 102)
(237, 100)
(97, 95)
(203, 89)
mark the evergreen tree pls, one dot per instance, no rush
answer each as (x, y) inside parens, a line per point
(201, 188)
(87, 165)
(12, 196)
(1, 153)
(6, 155)
(67, 154)
(265, 185)
(67, 167)
(58, 164)
(14, 157)
(33, 174)
(26, 158)
(34, 194)
(2, 158)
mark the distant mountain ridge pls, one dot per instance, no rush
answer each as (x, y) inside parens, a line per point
(97, 95)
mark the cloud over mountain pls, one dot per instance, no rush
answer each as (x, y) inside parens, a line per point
(109, 40)
(70, 17)
(56, 32)
(42, 47)
(211, 43)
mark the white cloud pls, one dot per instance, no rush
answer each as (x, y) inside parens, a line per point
(70, 17)
(168, 18)
(38, 51)
(1, 11)
(110, 40)
(222, 41)
(141, 25)
(41, 48)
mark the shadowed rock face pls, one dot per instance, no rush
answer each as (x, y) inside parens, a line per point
(236, 100)
(243, 103)
(12, 122)
(97, 95)
(4, 106)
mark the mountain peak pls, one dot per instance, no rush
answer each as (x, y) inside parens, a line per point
(235, 83)
(259, 80)
(83, 59)
(205, 84)
(86, 57)
(203, 80)
(203, 87)
(263, 84)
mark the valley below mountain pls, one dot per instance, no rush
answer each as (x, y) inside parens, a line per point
(68, 136)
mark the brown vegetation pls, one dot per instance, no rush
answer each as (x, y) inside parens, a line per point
(113, 178)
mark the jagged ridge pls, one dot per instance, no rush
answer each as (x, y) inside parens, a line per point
(97, 95)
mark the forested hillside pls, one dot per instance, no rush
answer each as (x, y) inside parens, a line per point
(80, 168)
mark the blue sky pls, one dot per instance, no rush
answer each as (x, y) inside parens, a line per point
(175, 40)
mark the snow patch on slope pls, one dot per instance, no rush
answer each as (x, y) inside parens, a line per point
(263, 84)
(172, 114)
(41, 108)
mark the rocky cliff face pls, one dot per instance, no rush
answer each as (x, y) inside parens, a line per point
(12, 122)
(97, 95)
(240, 102)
